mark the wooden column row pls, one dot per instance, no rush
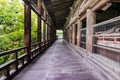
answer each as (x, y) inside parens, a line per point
(49, 33)
(74, 35)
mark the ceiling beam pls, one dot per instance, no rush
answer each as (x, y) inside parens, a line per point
(115, 0)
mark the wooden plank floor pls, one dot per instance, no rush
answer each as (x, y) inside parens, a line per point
(60, 63)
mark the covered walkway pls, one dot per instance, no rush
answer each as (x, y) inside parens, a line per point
(90, 49)
(60, 62)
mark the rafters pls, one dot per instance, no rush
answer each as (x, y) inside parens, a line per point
(59, 10)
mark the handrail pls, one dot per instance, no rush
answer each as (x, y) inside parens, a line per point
(108, 21)
(107, 29)
(11, 51)
(19, 62)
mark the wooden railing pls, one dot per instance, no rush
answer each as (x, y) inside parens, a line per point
(10, 68)
(106, 39)
(83, 38)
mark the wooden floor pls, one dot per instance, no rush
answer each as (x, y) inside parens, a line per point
(60, 63)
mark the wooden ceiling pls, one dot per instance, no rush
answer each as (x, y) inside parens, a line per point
(111, 12)
(58, 10)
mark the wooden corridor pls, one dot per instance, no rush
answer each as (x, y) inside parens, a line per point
(60, 62)
(89, 25)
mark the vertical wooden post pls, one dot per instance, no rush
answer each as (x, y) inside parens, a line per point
(39, 5)
(27, 30)
(91, 19)
(16, 61)
(70, 35)
(66, 34)
(73, 34)
(78, 32)
(46, 31)
(55, 35)
(48, 28)
(51, 30)
(44, 28)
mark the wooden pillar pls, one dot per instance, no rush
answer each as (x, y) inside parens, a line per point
(73, 34)
(55, 35)
(39, 5)
(68, 32)
(46, 31)
(44, 28)
(91, 20)
(51, 37)
(70, 35)
(50, 34)
(27, 30)
(78, 32)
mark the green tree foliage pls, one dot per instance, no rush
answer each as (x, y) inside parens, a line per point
(12, 26)
(60, 33)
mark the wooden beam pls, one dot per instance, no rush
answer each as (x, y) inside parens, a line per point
(91, 20)
(78, 32)
(70, 35)
(101, 4)
(44, 30)
(27, 30)
(39, 8)
(59, 3)
(115, 1)
(73, 34)
(94, 4)
(35, 10)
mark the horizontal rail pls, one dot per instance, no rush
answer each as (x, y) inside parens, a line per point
(106, 38)
(108, 48)
(18, 62)
(108, 21)
(82, 29)
(11, 51)
(114, 34)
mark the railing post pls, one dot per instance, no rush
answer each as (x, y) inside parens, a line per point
(27, 29)
(91, 19)
(6, 72)
(16, 61)
(39, 5)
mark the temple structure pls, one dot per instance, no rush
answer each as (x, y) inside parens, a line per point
(89, 50)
